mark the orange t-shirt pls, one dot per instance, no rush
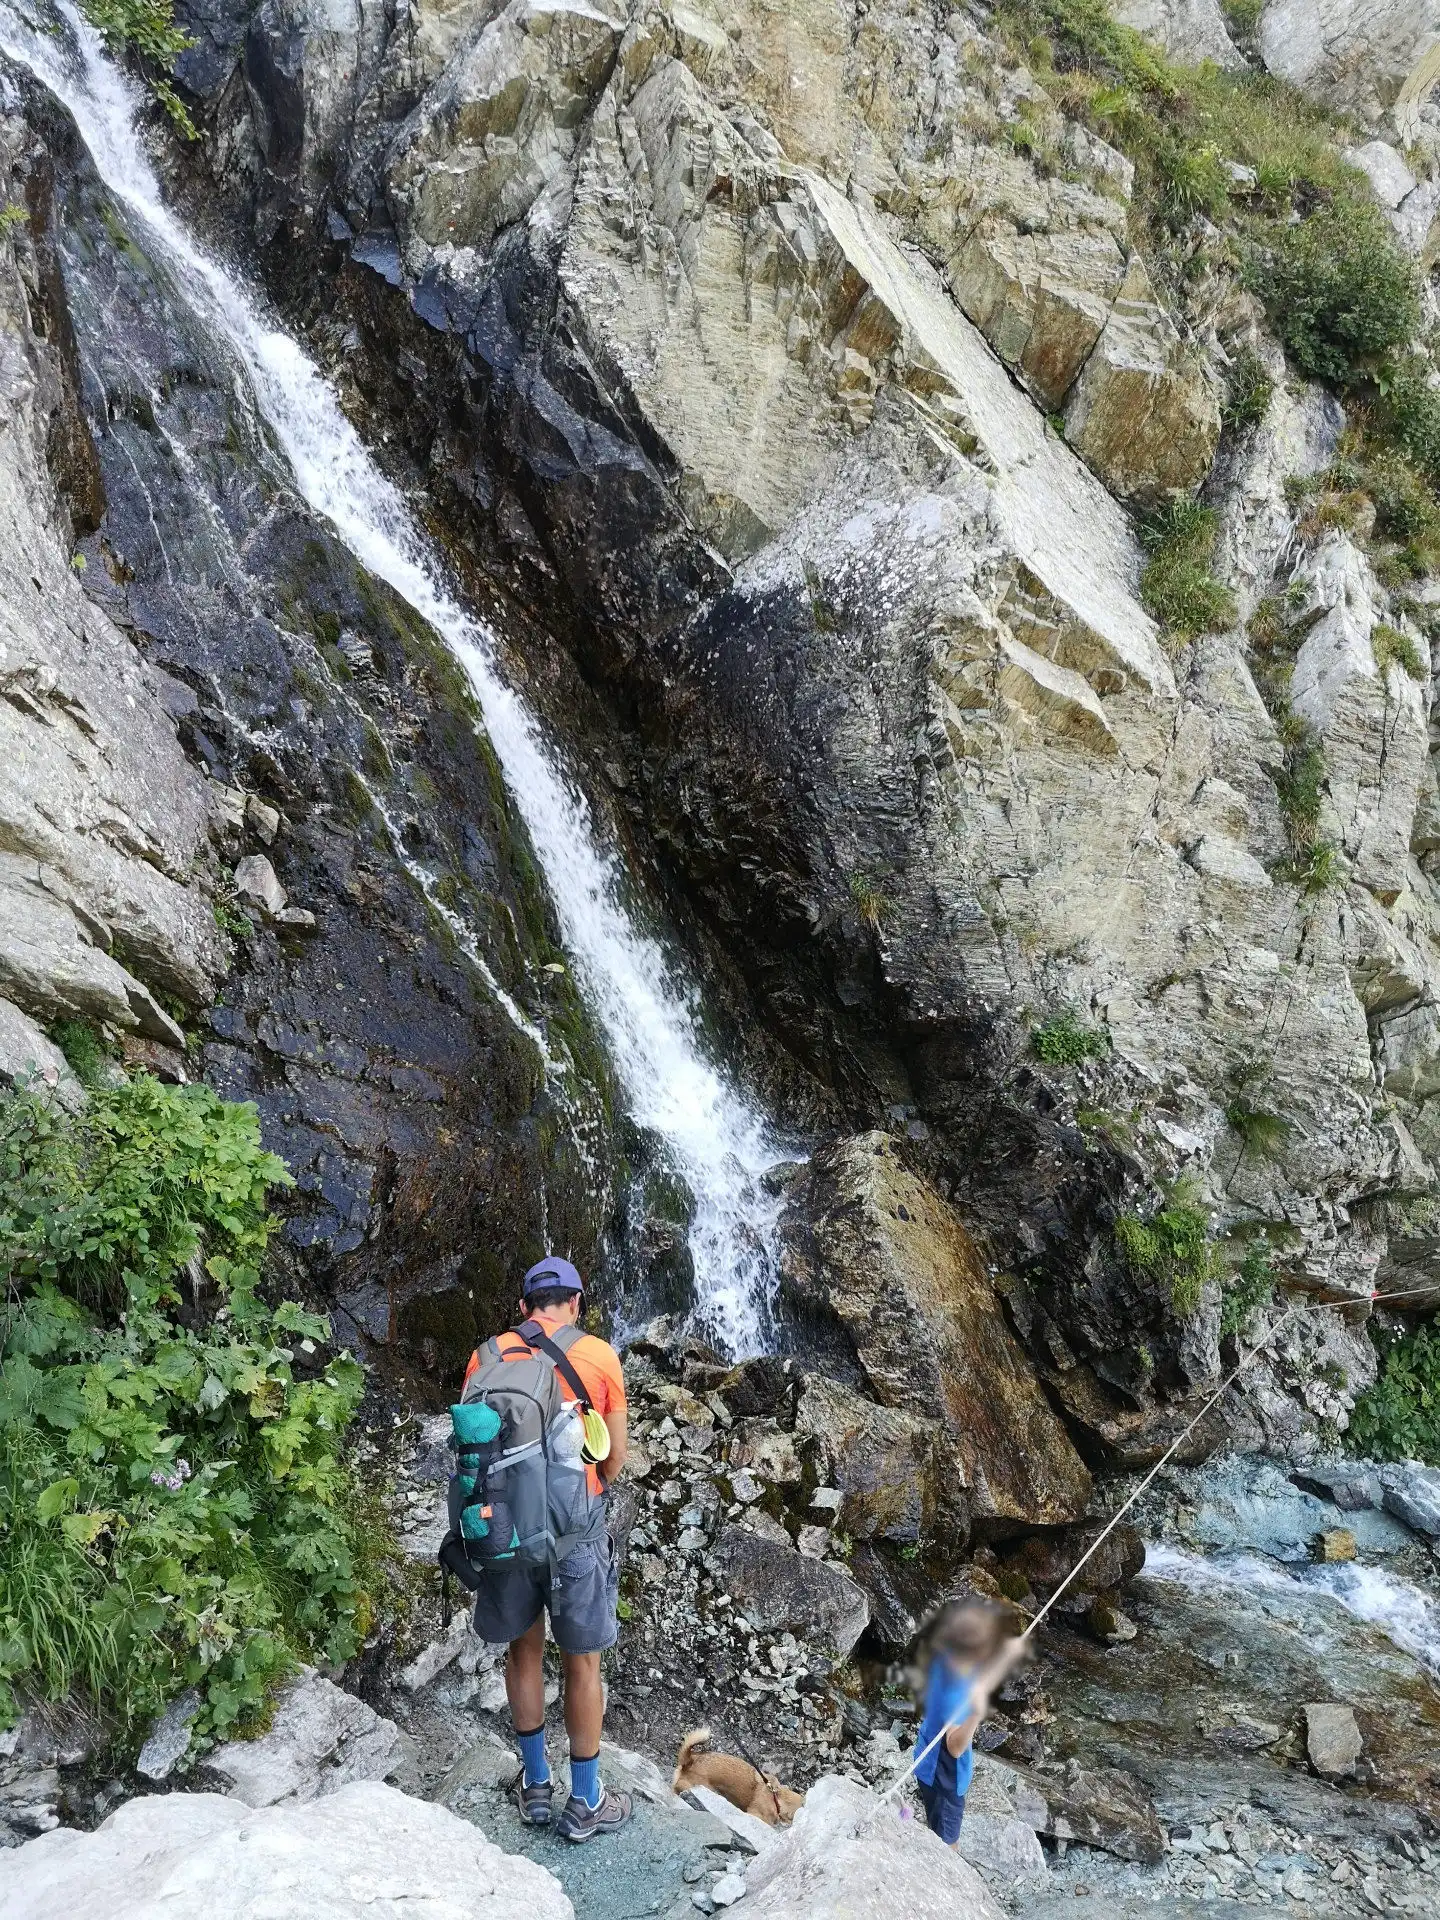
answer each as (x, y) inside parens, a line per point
(598, 1366)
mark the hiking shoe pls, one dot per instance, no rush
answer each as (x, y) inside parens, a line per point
(579, 1822)
(536, 1803)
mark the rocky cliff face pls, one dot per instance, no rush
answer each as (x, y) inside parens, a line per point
(802, 371)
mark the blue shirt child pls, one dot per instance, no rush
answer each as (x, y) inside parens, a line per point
(947, 1703)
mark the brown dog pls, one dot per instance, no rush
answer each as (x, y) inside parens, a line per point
(741, 1784)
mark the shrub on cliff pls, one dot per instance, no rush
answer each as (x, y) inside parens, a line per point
(1338, 290)
(1399, 1417)
(174, 1507)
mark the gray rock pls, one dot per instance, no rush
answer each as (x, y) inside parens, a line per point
(1190, 31)
(319, 1740)
(1347, 1483)
(169, 1739)
(363, 1848)
(1003, 1846)
(846, 1855)
(26, 1054)
(752, 1834)
(1363, 56)
(488, 1763)
(779, 1589)
(257, 884)
(745, 1486)
(1333, 1740)
(1412, 1494)
(438, 1655)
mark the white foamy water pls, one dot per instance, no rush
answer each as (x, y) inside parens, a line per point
(1404, 1612)
(716, 1140)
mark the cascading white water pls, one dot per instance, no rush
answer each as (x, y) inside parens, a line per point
(1402, 1610)
(718, 1143)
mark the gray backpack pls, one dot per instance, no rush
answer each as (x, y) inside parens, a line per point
(519, 1496)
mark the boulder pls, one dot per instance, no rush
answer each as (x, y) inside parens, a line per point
(319, 1740)
(1412, 1494)
(1005, 1848)
(257, 884)
(365, 1848)
(1363, 56)
(29, 1057)
(1189, 31)
(780, 1590)
(845, 1856)
(1348, 1484)
(1333, 1742)
(887, 1471)
(876, 1247)
(1044, 1560)
(1099, 1806)
(1145, 413)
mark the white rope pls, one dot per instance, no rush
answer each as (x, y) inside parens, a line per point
(1318, 1306)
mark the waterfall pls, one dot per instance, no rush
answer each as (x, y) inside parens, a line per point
(715, 1139)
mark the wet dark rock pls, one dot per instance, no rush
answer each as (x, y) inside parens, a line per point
(1044, 1560)
(1101, 1806)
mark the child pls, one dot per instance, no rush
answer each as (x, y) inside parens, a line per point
(970, 1654)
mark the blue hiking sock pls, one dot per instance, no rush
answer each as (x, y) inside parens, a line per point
(585, 1778)
(532, 1755)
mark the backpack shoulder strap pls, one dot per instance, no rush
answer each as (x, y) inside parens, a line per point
(535, 1337)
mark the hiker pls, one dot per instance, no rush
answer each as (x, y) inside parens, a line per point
(970, 1654)
(578, 1580)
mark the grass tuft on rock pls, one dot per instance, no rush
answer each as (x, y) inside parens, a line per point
(1392, 647)
(175, 1508)
(1177, 585)
(1249, 1288)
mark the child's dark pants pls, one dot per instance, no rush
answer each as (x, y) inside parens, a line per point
(944, 1810)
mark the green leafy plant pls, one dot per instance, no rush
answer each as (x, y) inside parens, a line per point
(1171, 1248)
(231, 920)
(175, 1509)
(148, 27)
(86, 1054)
(1249, 1288)
(12, 215)
(1399, 1417)
(1389, 644)
(1064, 1040)
(1177, 584)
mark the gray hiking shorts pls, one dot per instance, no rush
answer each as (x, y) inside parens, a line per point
(580, 1595)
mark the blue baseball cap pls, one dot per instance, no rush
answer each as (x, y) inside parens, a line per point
(551, 1272)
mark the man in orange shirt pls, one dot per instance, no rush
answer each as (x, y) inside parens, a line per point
(580, 1595)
